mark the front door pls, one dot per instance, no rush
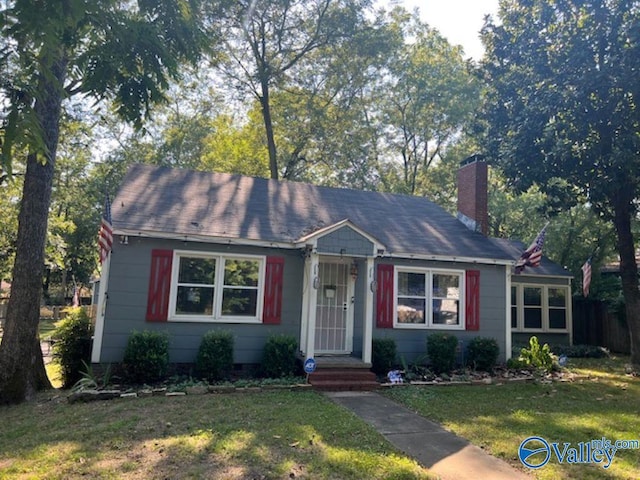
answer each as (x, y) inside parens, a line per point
(334, 310)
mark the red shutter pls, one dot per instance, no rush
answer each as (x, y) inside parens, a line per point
(384, 296)
(159, 286)
(472, 311)
(273, 282)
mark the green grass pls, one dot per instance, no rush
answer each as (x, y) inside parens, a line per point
(262, 435)
(46, 326)
(606, 403)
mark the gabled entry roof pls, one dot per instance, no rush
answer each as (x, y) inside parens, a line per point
(204, 206)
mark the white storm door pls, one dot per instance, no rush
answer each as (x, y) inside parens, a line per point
(334, 309)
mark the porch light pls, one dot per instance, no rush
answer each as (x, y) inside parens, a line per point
(354, 270)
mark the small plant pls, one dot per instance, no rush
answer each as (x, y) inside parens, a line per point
(280, 357)
(72, 347)
(214, 360)
(146, 357)
(482, 353)
(536, 356)
(90, 380)
(383, 355)
(441, 350)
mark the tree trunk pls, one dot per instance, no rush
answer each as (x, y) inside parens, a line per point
(628, 273)
(22, 371)
(268, 125)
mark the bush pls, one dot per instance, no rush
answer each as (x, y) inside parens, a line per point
(515, 363)
(482, 353)
(441, 350)
(580, 351)
(72, 347)
(280, 357)
(214, 360)
(146, 357)
(537, 356)
(383, 355)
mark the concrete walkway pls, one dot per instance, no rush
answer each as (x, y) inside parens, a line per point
(443, 453)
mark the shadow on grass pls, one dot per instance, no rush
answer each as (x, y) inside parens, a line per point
(265, 435)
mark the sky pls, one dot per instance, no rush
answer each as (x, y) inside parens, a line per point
(459, 21)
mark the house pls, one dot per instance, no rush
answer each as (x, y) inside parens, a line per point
(335, 268)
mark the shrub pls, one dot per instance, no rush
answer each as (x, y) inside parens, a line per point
(482, 353)
(146, 357)
(280, 357)
(537, 356)
(72, 347)
(515, 363)
(580, 351)
(383, 355)
(214, 360)
(441, 350)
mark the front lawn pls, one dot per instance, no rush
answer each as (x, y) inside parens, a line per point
(268, 435)
(605, 403)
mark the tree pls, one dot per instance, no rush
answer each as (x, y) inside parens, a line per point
(123, 52)
(268, 41)
(430, 97)
(562, 112)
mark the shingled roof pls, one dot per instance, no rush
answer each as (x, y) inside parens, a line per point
(546, 268)
(199, 205)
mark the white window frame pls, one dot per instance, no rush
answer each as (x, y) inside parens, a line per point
(545, 308)
(218, 286)
(429, 273)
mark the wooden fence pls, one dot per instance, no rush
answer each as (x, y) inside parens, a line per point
(594, 324)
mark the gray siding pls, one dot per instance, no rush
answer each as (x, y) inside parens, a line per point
(412, 343)
(345, 241)
(127, 302)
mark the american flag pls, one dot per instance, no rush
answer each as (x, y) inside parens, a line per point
(532, 256)
(105, 237)
(586, 277)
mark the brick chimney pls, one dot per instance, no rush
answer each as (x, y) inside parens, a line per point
(472, 194)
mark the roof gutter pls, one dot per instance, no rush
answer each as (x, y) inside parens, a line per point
(294, 245)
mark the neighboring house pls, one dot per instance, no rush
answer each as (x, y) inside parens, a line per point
(196, 251)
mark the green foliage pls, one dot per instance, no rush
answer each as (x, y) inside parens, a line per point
(280, 357)
(146, 357)
(383, 355)
(432, 97)
(72, 347)
(214, 360)
(441, 350)
(580, 351)
(554, 71)
(482, 353)
(516, 363)
(536, 356)
(91, 380)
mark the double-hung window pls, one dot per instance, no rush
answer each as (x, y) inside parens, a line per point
(429, 299)
(208, 287)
